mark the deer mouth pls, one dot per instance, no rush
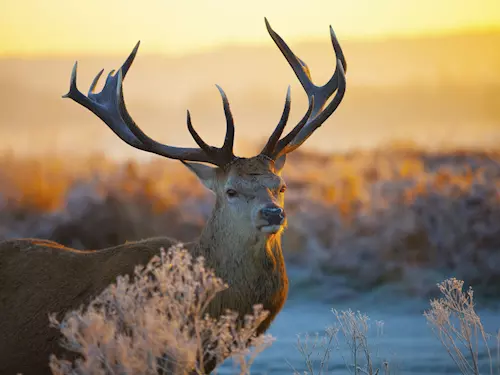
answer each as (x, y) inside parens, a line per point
(270, 229)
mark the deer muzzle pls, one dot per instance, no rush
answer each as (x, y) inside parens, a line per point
(272, 218)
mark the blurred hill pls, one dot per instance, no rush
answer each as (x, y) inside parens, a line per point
(434, 91)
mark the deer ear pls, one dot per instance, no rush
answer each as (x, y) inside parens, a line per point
(206, 174)
(280, 163)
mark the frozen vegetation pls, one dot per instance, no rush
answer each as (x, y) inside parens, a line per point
(396, 217)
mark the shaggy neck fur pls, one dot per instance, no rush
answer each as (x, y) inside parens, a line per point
(252, 265)
(228, 246)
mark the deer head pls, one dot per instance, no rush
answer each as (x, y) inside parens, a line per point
(249, 191)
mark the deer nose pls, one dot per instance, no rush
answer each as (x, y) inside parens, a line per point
(273, 214)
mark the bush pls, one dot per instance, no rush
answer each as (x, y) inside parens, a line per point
(353, 329)
(455, 322)
(156, 324)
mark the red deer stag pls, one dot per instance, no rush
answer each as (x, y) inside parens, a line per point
(241, 240)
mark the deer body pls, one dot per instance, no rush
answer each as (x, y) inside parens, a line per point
(241, 240)
(40, 277)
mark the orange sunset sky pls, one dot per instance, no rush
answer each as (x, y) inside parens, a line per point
(62, 27)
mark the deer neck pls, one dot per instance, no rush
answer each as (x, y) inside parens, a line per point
(224, 245)
(253, 265)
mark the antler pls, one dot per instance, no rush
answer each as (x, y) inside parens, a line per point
(317, 114)
(109, 106)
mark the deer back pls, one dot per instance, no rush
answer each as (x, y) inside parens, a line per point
(40, 277)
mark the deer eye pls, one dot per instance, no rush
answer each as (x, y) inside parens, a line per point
(283, 189)
(231, 193)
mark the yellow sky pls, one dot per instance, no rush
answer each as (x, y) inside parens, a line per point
(33, 27)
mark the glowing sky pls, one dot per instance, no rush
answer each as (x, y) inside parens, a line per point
(32, 27)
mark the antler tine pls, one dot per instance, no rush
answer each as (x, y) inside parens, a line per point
(315, 122)
(224, 155)
(321, 94)
(338, 52)
(130, 59)
(199, 141)
(124, 68)
(227, 147)
(94, 82)
(299, 67)
(278, 131)
(284, 146)
(109, 106)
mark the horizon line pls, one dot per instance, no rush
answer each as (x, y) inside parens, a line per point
(252, 43)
